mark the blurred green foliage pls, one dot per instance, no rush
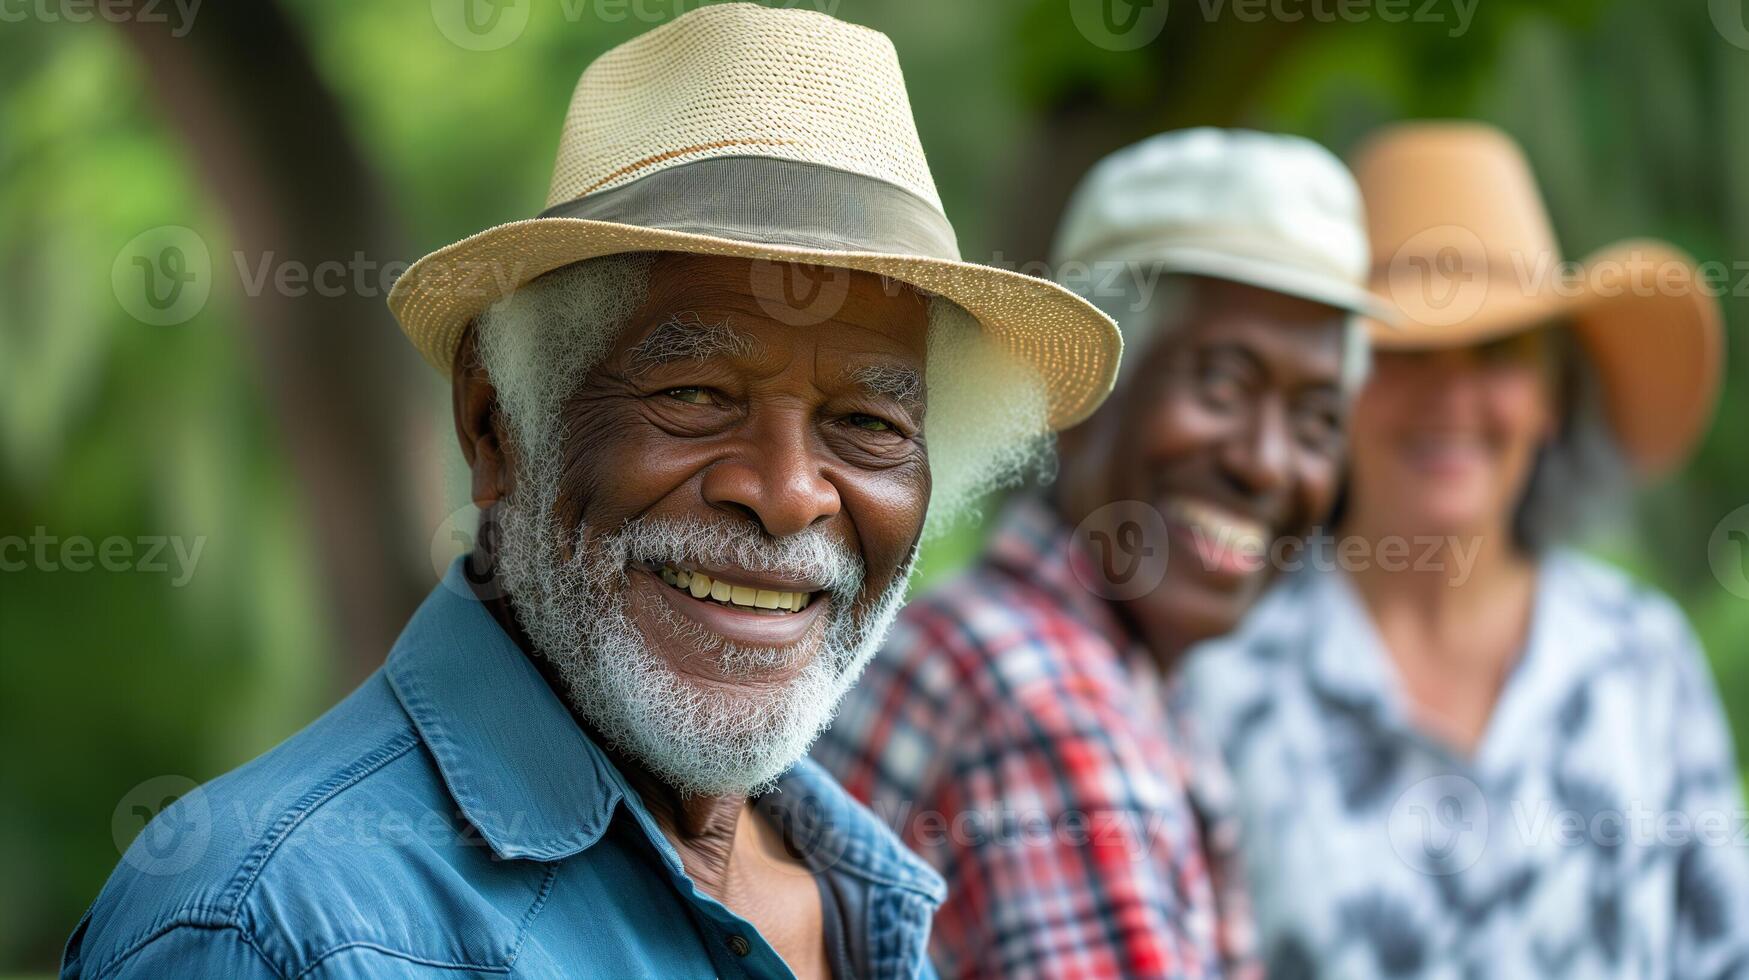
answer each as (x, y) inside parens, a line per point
(1635, 114)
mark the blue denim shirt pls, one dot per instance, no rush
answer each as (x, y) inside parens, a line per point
(451, 818)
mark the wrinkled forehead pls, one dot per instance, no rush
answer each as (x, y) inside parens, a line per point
(754, 314)
(1305, 336)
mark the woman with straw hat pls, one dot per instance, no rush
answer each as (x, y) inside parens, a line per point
(1460, 749)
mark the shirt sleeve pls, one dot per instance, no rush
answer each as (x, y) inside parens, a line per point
(1067, 851)
(196, 952)
(1712, 859)
(225, 953)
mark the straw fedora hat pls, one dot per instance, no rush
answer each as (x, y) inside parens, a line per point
(768, 134)
(1463, 248)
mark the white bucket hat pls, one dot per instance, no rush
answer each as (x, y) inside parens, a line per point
(1277, 212)
(777, 135)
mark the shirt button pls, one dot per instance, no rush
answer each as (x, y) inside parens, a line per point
(739, 946)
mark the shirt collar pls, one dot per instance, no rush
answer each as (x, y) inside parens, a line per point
(526, 776)
(831, 831)
(536, 786)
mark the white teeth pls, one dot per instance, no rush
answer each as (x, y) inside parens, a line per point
(701, 586)
(1217, 521)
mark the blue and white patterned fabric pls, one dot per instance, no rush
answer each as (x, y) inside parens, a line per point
(1598, 830)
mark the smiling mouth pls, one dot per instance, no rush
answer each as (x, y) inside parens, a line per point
(1218, 523)
(743, 598)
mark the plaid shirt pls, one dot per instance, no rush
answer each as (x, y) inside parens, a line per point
(1015, 734)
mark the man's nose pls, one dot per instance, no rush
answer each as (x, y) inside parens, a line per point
(1260, 457)
(776, 476)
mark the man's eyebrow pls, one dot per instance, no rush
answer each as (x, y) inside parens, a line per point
(685, 337)
(902, 384)
(1256, 362)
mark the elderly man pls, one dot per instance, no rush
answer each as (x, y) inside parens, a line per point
(1015, 726)
(698, 422)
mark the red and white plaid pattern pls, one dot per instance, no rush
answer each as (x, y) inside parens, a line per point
(1016, 736)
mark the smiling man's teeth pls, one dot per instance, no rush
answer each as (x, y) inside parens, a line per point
(702, 586)
(1216, 522)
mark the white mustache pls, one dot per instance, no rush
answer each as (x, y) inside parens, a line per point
(809, 555)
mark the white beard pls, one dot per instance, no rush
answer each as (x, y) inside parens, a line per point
(698, 739)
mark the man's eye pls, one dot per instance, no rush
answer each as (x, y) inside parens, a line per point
(1320, 428)
(870, 423)
(691, 396)
(1222, 387)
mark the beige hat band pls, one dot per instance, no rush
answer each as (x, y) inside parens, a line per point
(766, 134)
(771, 201)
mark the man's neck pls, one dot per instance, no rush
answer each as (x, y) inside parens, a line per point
(702, 828)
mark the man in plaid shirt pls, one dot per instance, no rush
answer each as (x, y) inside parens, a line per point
(1015, 731)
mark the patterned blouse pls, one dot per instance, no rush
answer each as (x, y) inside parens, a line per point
(1598, 830)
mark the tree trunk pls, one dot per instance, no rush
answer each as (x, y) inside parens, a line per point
(270, 141)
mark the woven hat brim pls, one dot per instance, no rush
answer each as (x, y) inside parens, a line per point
(1073, 347)
(1659, 353)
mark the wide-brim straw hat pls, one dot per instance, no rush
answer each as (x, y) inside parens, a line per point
(767, 134)
(1464, 249)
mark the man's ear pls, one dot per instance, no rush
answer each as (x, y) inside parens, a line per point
(479, 425)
